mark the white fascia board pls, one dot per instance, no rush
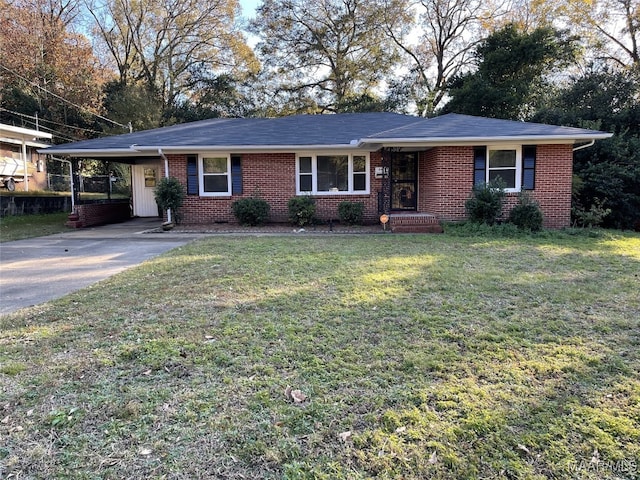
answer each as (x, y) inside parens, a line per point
(248, 148)
(23, 133)
(465, 141)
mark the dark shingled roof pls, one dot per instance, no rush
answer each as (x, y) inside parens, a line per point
(456, 126)
(318, 131)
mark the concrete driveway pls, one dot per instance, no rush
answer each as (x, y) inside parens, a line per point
(37, 270)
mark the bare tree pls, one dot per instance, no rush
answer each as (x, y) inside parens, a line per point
(165, 44)
(325, 53)
(438, 38)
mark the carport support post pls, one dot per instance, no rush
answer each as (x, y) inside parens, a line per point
(166, 175)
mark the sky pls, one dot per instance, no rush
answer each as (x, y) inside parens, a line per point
(249, 7)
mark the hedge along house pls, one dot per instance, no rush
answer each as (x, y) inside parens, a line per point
(419, 171)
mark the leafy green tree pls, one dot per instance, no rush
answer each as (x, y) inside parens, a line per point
(608, 172)
(513, 68)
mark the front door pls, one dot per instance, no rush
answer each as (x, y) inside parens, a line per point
(404, 181)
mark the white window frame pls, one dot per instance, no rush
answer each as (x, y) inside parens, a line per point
(518, 167)
(201, 174)
(350, 173)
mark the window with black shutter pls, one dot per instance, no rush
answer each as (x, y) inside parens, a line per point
(236, 175)
(528, 167)
(479, 165)
(192, 175)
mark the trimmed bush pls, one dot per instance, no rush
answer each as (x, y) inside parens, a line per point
(302, 210)
(251, 211)
(351, 213)
(526, 215)
(485, 203)
(169, 194)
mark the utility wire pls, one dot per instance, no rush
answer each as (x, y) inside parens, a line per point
(63, 99)
(38, 120)
(57, 133)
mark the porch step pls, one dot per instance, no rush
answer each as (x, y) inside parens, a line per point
(414, 223)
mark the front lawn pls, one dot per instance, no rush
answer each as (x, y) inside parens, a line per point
(420, 356)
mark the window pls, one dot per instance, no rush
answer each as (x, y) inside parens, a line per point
(150, 177)
(215, 178)
(505, 162)
(337, 173)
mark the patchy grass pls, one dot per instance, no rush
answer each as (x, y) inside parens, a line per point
(426, 356)
(26, 226)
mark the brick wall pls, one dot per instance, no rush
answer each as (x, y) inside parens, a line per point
(554, 170)
(100, 214)
(446, 179)
(271, 176)
(445, 183)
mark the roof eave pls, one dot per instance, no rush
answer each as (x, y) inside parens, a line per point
(247, 148)
(466, 141)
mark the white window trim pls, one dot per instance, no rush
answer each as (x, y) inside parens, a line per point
(314, 173)
(518, 150)
(201, 175)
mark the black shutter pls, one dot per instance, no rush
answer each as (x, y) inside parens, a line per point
(528, 167)
(479, 165)
(236, 175)
(192, 175)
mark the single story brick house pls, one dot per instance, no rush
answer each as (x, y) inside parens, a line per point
(414, 169)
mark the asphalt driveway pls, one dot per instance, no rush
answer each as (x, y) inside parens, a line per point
(37, 270)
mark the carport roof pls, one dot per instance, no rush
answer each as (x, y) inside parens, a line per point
(306, 132)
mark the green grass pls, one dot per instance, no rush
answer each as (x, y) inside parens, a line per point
(444, 356)
(26, 226)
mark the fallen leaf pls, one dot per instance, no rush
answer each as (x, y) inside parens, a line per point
(344, 436)
(433, 458)
(147, 372)
(145, 451)
(5, 419)
(298, 396)
(401, 429)
(523, 448)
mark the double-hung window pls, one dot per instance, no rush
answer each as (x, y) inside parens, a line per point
(505, 163)
(335, 173)
(215, 175)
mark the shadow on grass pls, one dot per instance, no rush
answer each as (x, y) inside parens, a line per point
(443, 358)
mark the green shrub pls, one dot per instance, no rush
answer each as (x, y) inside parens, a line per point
(169, 194)
(251, 211)
(485, 203)
(590, 218)
(302, 210)
(351, 213)
(526, 215)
